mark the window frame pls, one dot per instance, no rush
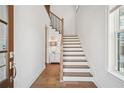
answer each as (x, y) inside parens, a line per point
(113, 69)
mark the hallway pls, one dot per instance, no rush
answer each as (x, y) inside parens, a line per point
(82, 45)
(50, 79)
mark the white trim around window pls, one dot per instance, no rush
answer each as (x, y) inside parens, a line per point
(113, 29)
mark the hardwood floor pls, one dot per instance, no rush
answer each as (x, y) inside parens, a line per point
(50, 79)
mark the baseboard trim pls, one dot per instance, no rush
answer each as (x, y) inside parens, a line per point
(97, 84)
(36, 77)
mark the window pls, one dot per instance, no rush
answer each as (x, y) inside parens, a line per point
(116, 42)
(120, 51)
(120, 42)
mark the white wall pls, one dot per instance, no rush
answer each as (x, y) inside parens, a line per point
(68, 13)
(29, 43)
(92, 29)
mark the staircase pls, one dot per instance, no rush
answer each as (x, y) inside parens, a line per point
(75, 65)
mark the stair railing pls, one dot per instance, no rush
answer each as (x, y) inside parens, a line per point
(58, 24)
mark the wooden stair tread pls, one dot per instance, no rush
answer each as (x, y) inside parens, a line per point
(75, 63)
(78, 74)
(71, 46)
(79, 84)
(71, 40)
(76, 82)
(76, 66)
(72, 50)
(71, 43)
(70, 35)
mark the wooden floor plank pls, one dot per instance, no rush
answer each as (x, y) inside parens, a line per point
(76, 66)
(50, 79)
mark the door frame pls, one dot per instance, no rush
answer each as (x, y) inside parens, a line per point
(9, 82)
(11, 44)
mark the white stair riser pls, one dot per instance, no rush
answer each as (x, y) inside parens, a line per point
(71, 42)
(75, 63)
(74, 58)
(65, 78)
(75, 70)
(72, 49)
(71, 45)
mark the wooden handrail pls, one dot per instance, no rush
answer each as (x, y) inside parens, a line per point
(55, 15)
(47, 7)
